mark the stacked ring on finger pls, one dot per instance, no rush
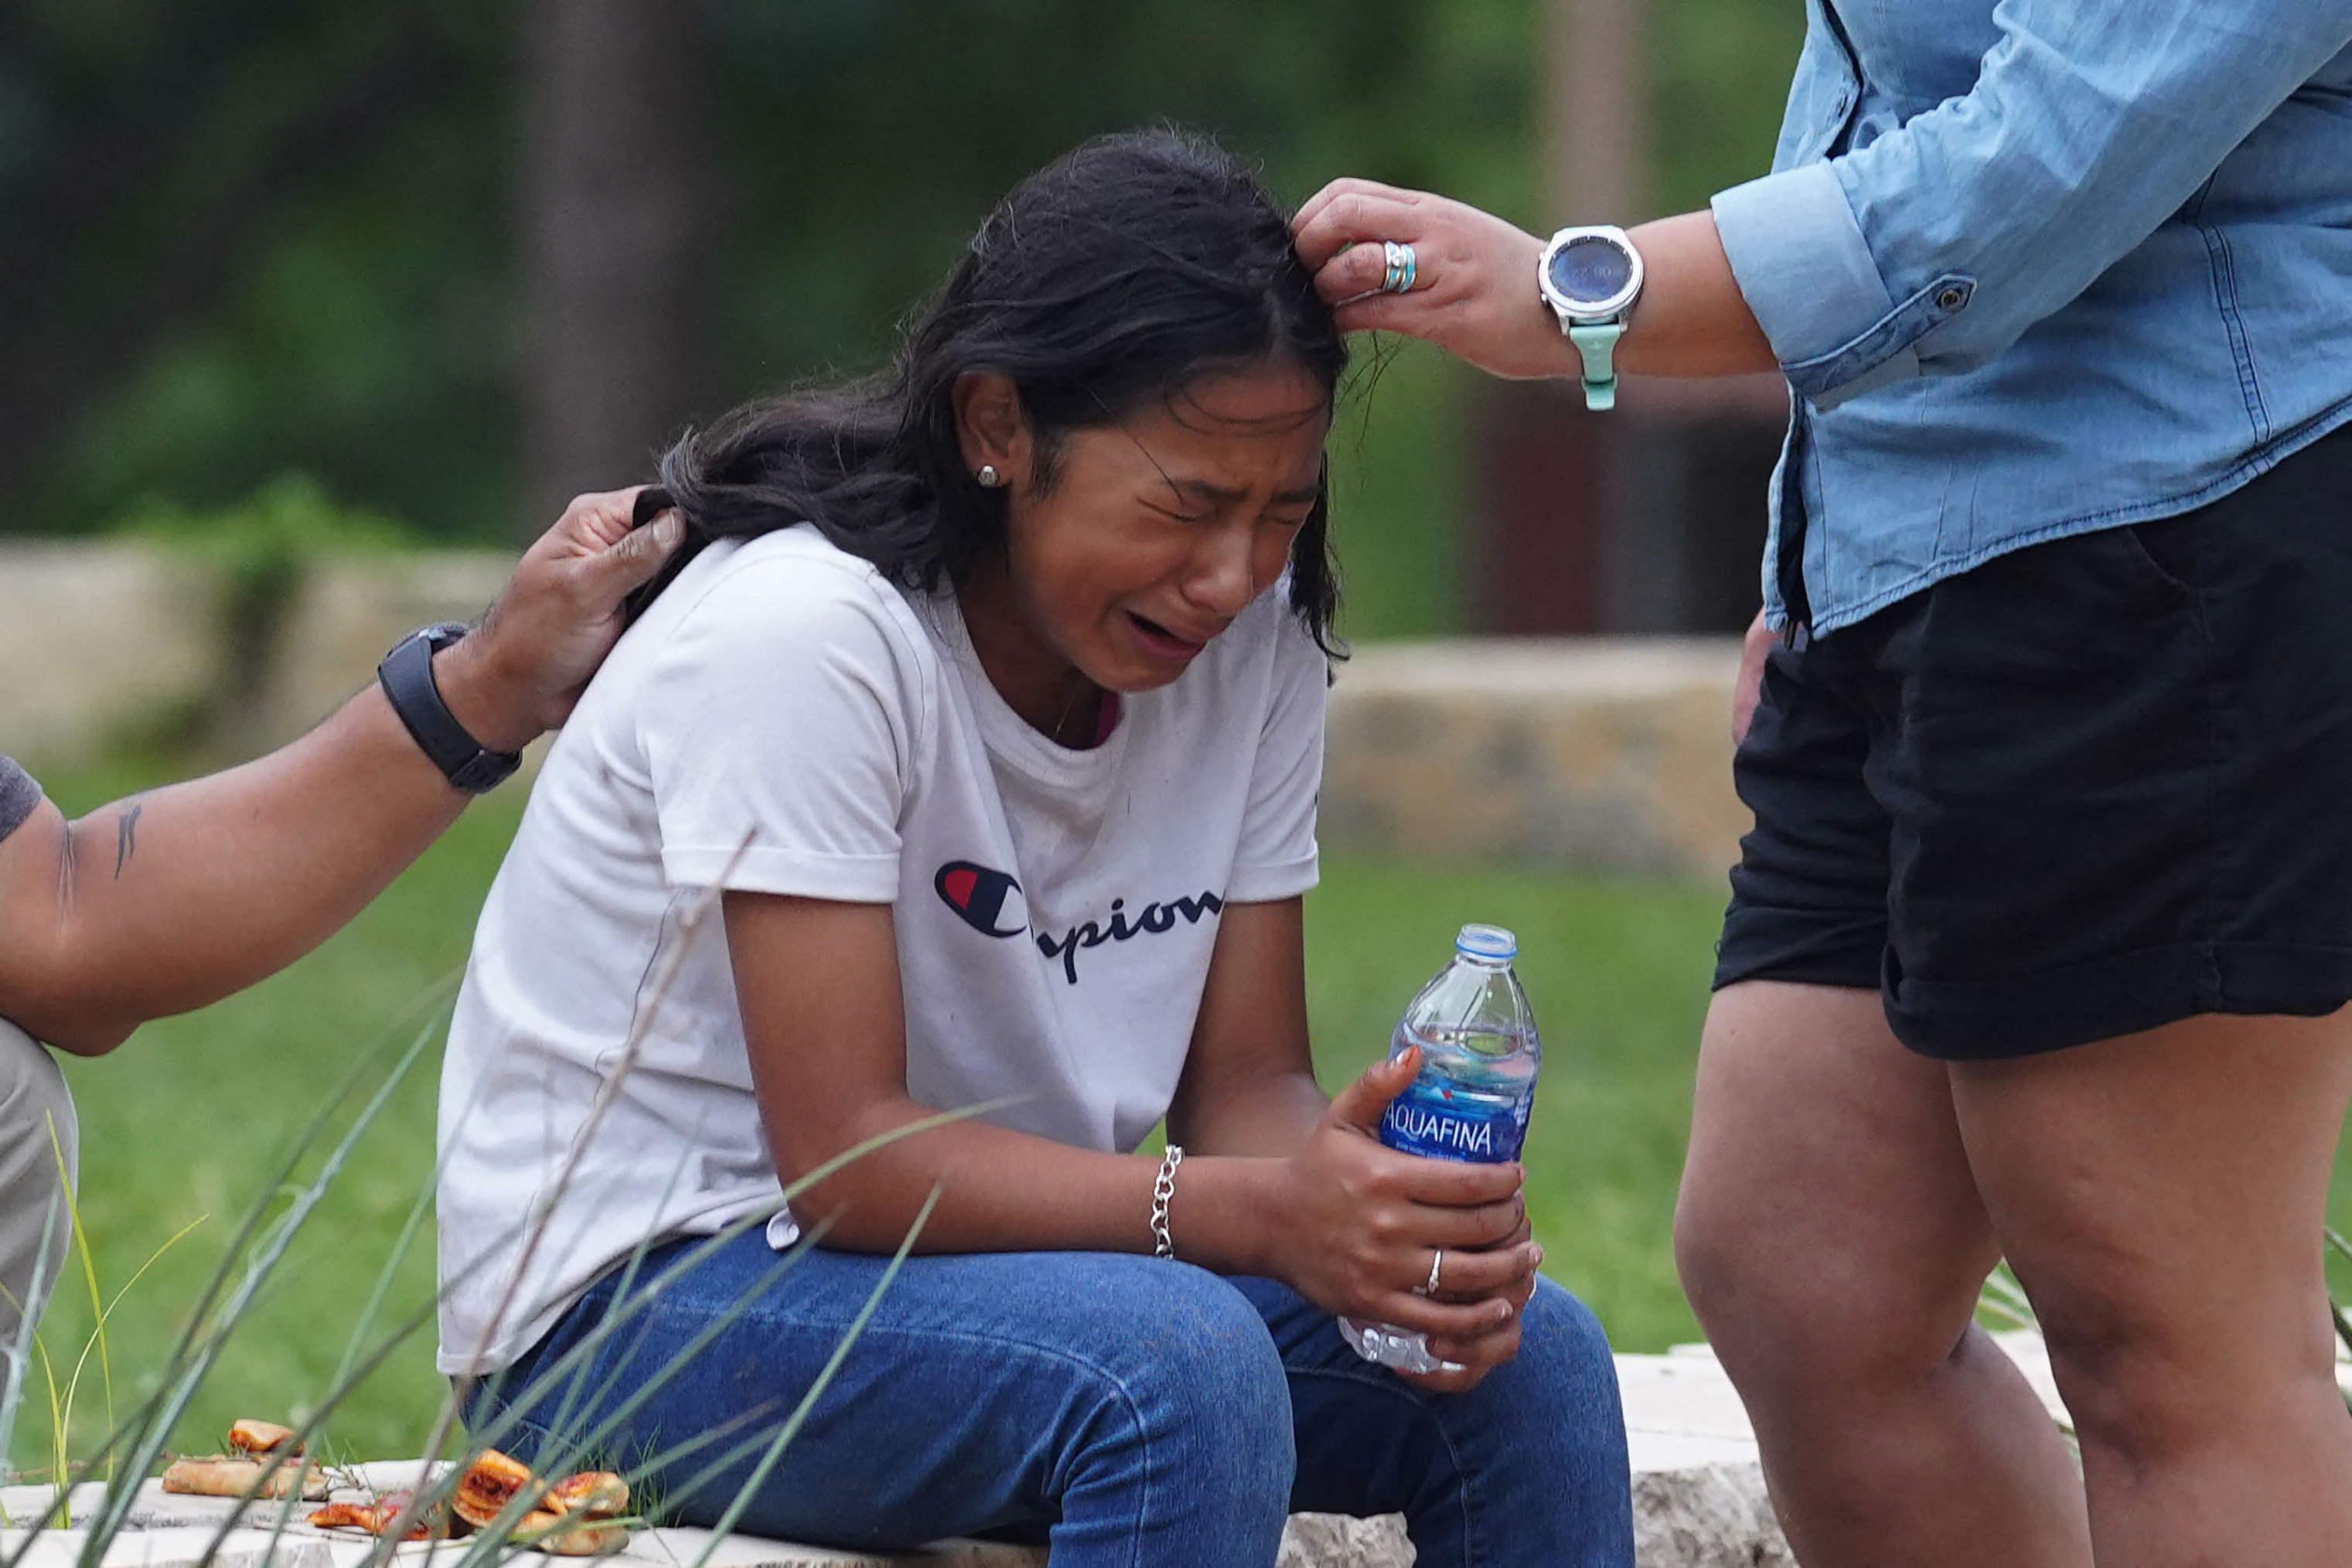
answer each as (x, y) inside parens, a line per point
(1401, 268)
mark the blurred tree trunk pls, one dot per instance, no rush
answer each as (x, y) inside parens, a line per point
(1592, 113)
(617, 205)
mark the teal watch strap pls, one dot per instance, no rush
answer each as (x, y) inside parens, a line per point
(1597, 342)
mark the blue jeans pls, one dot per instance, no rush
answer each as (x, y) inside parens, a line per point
(1130, 1410)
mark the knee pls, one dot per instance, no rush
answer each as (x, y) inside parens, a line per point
(1784, 1311)
(1204, 1385)
(1565, 1375)
(1745, 1290)
(2145, 1382)
(2115, 1373)
(1717, 1256)
(1560, 1335)
(38, 1135)
(32, 1090)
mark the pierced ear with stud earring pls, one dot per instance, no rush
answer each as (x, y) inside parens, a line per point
(989, 478)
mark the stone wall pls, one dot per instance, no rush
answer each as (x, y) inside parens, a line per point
(1609, 754)
(106, 641)
(1604, 754)
(100, 639)
(346, 614)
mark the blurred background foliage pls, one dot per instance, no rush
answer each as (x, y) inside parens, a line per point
(240, 238)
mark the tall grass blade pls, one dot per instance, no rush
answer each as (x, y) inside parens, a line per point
(201, 1318)
(80, 1235)
(97, 1336)
(187, 1370)
(574, 1360)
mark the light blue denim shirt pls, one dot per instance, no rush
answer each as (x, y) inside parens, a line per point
(2041, 266)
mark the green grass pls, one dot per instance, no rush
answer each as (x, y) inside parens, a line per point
(187, 1122)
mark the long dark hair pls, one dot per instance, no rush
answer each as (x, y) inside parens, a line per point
(1124, 271)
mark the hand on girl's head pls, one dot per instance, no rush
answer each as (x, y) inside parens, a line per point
(1473, 290)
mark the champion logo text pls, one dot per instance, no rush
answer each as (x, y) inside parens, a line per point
(991, 904)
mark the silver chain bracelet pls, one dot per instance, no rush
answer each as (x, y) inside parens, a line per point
(1162, 1244)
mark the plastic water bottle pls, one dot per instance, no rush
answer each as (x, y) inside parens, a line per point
(1479, 1056)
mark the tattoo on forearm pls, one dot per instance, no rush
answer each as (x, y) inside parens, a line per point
(126, 837)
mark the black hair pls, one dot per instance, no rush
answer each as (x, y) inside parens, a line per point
(1124, 271)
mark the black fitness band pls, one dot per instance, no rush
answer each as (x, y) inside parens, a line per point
(406, 676)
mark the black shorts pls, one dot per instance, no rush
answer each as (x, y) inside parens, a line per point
(2090, 787)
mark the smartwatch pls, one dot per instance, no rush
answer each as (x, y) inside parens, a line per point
(406, 676)
(1590, 277)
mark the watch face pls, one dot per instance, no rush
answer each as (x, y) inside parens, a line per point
(1589, 270)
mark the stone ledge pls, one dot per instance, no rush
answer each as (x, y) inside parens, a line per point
(164, 1530)
(173, 1548)
(1698, 1502)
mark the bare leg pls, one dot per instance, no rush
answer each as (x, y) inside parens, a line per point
(1833, 1244)
(2160, 1197)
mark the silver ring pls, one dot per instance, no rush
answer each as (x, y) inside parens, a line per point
(1400, 266)
(1435, 1264)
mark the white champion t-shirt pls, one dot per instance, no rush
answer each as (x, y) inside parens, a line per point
(782, 720)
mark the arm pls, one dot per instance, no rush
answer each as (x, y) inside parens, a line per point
(1249, 1084)
(174, 898)
(1346, 1222)
(1939, 244)
(1932, 249)
(1476, 298)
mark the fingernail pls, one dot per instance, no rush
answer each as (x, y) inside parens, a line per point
(669, 527)
(1535, 1255)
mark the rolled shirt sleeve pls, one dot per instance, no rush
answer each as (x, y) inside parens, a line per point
(780, 725)
(1941, 243)
(18, 796)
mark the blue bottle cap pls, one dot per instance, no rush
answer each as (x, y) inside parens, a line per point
(1486, 941)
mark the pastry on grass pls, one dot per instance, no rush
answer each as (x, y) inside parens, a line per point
(378, 1516)
(381, 1510)
(263, 1461)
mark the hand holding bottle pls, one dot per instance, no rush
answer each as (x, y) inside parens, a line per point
(1473, 1037)
(1367, 1222)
